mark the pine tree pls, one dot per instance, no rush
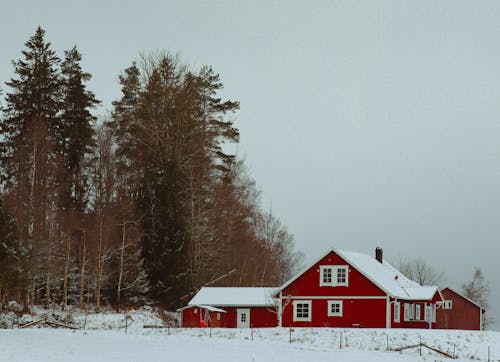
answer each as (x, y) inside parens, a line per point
(27, 150)
(75, 132)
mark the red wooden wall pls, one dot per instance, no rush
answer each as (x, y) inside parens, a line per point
(260, 317)
(463, 315)
(357, 313)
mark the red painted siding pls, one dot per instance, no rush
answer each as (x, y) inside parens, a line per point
(191, 318)
(463, 315)
(260, 317)
(362, 313)
(412, 323)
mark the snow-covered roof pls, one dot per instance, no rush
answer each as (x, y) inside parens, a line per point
(207, 307)
(384, 275)
(234, 296)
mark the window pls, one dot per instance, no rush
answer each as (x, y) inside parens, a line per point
(335, 308)
(342, 275)
(302, 311)
(218, 316)
(409, 312)
(447, 304)
(333, 275)
(428, 313)
(417, 312)
(397, 311)
(243, 317)
(326, 273)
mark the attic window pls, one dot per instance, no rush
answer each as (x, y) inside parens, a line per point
(447, 304)
(326, 273)
(333, 276)
(342, 275)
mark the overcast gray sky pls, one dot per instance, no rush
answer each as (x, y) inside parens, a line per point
(365, 123)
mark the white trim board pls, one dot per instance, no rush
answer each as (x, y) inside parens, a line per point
(330, 297)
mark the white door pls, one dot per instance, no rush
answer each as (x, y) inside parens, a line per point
(243, 318)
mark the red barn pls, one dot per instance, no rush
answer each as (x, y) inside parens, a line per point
(231, 308)
(459, 312)
(348, 289)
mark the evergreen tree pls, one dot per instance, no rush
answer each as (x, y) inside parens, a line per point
(75, 132)
(172, 125)
(27, 150)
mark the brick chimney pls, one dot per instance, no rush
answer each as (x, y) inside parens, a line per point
(379, 254)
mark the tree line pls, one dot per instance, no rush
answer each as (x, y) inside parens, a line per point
(144, 205)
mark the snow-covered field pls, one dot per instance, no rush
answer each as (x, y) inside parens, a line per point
(105, 340)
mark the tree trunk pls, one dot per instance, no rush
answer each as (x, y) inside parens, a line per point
(82, 270)
(120, 274)
(66, 270)
(100, 264)
(47, 283)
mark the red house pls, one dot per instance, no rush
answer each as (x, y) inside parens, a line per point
(348, 289)
(340, 289)
(459, 312)
(231, 308)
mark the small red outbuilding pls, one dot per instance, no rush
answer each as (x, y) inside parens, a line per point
(459, 312)
(230, 307)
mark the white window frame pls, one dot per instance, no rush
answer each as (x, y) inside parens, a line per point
(334, 270)
(428, 313)
(337, 269)
(397, 312)
(406, 314)
(302, 319)
(409, 312)
(218, 316)
(322, 269)
(448, 304)
(417, 312)
(341, 308)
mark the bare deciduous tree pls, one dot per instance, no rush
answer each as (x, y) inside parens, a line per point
(421, 272)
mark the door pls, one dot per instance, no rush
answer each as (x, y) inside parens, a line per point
(243, 318)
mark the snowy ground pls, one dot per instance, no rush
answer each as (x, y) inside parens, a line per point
(43, 344)
(104, 339)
